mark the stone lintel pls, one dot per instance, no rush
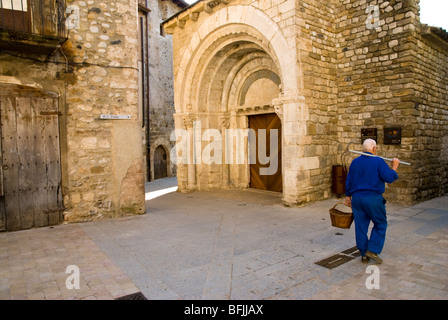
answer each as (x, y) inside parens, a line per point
(254, 109)
(288, 99)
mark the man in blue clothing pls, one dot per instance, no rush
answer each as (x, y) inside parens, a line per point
(364, 189)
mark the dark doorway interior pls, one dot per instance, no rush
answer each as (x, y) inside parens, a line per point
(160, 163)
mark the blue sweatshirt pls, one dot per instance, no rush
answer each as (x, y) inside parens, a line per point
(367, 176)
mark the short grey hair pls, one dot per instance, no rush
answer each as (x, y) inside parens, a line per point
(368, 145)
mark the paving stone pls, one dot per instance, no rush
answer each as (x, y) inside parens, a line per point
(243, 252)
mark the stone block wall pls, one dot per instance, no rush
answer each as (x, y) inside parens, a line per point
(104, 173)
(381, 84)
(365, 71)
(316, 25)
(375, 76)
(95, 73)
(430, 107)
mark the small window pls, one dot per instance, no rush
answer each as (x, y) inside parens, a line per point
(16, 5)
(14, 15)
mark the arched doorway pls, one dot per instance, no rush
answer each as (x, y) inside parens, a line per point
(160, 163)
(235, 78)
(238, 65)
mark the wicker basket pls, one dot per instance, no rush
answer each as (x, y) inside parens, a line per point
(340, 219)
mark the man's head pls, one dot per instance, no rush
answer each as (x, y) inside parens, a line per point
(369, 145)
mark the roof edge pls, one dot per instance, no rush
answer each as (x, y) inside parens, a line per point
(181, 11)
(437, 34)
(180, 3)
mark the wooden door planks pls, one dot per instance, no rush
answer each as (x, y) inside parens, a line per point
(271, 182)
(30, 158)
(10, 163)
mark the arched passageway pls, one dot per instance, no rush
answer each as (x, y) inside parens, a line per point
(160, 163)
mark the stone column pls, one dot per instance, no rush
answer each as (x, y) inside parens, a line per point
(191, 169)
(244, 169)
(224, 123)
(278, 108)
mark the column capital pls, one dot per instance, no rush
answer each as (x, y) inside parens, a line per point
(224, 122)
(188, 121)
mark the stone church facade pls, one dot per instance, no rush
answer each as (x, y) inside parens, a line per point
(324, 74)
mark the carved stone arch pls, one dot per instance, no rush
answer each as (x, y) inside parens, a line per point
(264, 67)
(231, 59)
(228, 85)
(226, 25)
(217, 61)
(258, 75)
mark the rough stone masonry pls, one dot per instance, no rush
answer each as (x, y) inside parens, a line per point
(104, 157)
(95, 75)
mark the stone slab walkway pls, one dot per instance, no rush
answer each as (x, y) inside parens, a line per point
(234, 244)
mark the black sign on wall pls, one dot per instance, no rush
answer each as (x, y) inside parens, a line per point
(392, 136)
(369, 133)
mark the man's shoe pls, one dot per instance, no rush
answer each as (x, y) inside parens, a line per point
(374, 257)
(365, 260)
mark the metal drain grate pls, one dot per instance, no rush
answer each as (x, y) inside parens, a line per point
(133, 296)
(334, 261)
(339, 259)
(353, 252)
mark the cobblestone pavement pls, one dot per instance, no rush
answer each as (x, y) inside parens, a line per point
(33, 264)
(226, 245)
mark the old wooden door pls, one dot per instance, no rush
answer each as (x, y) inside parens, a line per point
(30, 158)
(160, 163)
(272, 182)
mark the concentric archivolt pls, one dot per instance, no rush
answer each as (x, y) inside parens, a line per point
(229, 75)
(224, 67)
(225, 58)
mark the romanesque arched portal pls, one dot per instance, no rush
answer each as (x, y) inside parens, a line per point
(230, 64)
(320, 67)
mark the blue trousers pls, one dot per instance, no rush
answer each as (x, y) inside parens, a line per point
(366, 209)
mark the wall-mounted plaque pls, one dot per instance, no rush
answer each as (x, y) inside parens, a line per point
(115, 116)
(392, 135)
(369, 133)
